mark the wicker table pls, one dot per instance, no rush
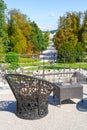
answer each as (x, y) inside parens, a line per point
(67, 90)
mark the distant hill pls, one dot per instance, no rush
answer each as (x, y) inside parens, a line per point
(51, 31)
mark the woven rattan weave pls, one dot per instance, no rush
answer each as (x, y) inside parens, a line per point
(31, 94)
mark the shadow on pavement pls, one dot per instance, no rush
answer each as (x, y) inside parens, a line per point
(82, 106)
(9, 106)
(54, 101)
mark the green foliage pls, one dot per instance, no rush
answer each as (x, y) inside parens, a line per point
(47, 38)
(2, 51)
(2, 17)
(27, 60)
(19, 34)
(18, 31)
(11, 57)
(24, 35)
(3, 28)
(13, 66)
(68, 29)
(70, 52)
(18, 42)
(37, 38)
(71, 36)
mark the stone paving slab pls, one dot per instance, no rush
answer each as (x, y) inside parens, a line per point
(71, 115)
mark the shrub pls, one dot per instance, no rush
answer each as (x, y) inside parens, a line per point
(13, 66)
(11, 57)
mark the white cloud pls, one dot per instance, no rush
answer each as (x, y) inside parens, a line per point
(52, 14)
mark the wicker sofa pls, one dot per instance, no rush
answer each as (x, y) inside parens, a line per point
(31, 94)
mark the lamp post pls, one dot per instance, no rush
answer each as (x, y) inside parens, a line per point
(43, 66)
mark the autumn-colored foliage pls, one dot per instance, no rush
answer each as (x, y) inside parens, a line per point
(71, 35)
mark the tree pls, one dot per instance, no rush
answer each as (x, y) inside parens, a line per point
(47, 37)
(18, 42)
(84, 31)
(19, 30)
(71, 51)
(3, 32)
(37, 38)
(67, 36)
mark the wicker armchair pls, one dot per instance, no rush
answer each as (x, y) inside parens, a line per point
(31, 94)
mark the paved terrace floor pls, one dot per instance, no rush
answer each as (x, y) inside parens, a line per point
(71, 115)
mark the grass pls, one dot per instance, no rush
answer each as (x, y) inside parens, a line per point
(70, 65)
(33, 63)
(48, 66)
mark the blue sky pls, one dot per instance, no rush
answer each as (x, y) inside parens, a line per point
(46, 12)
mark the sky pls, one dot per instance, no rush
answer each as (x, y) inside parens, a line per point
(46, 13)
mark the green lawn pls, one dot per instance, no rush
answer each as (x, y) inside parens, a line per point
(33, 63)
(40, 65)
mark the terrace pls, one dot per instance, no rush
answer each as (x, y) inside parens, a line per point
(71, 114)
